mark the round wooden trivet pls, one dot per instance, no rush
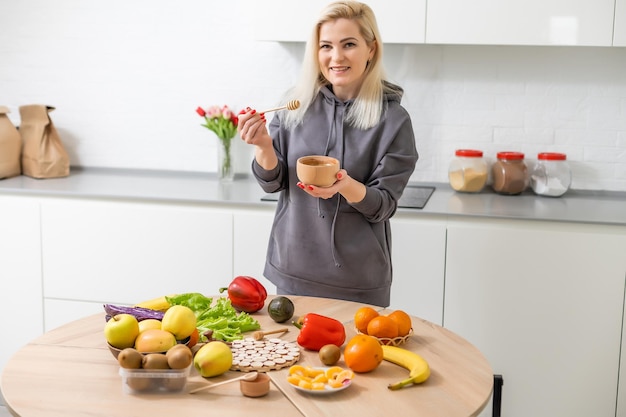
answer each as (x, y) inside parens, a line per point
(263, 355)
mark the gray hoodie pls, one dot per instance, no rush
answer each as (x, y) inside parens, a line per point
(331, 248)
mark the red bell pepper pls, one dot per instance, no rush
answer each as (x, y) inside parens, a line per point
(246, 294)
(317, 331)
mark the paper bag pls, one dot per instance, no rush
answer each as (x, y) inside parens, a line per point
(43, 154)
(10, 146)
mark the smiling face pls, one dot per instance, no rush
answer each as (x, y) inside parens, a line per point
(343, 54)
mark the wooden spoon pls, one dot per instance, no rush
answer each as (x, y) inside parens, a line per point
(251, 376)
(260, 335)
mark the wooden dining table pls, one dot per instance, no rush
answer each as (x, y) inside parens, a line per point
(69, 371)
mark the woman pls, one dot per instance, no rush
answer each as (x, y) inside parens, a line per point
(336, 242)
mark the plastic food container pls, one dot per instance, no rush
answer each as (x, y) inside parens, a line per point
(551, 175)
(510, 174)
(468, 171)
(142, 381)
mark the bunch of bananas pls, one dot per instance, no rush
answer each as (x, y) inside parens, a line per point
(419, 371)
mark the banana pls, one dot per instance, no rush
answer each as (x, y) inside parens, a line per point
(419, 371)
(159, 303)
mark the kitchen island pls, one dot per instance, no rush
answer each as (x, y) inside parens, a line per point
(70, 372)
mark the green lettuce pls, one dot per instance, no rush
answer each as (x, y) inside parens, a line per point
(221, 318)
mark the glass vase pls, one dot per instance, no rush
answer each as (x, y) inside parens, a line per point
(225, 168)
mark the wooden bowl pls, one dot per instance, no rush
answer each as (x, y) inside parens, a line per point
(317, 170)
(257, 387)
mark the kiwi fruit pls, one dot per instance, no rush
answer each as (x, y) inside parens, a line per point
(330, 354)
(130, 358)
(139, 384)
(179, 357)
(155, 361)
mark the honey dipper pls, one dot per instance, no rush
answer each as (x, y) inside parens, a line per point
(260, 335)
(291, 105)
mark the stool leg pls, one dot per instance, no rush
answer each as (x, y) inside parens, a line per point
(497, 395)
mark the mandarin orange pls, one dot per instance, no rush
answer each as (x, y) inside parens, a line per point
(403, 320)
(363, 353)
(362, 317)
(382, 326)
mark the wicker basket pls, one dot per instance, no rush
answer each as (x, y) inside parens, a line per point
(396, 341)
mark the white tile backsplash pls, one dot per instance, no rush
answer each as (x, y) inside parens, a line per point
(126, 77)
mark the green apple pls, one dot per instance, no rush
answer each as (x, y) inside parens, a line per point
(121, 331)
(213, 359)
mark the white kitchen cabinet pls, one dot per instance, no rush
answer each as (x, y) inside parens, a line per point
(619, 32)
(20, 274)
(520, 22)
(418, 257)
(251, 233)
(544, 302)
(125, 252)
(292, 21)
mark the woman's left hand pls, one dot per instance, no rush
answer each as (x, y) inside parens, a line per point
(326, 192)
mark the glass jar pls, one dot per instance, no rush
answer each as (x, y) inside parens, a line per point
(510, 174)
(468, 171)
(551, 175)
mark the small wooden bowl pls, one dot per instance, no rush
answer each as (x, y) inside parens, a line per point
(257, 387)
(317, 170)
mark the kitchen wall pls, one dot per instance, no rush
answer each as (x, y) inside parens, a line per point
(126, 77)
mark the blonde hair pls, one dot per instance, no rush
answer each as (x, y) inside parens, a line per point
(367, 108)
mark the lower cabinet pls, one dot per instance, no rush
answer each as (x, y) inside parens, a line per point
(124, 252)
(20, 275)
(418, 259)
(251, 233)
(544, 302)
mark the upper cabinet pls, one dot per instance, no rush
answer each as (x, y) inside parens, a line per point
(619, 38)
(516, 22)
(399, 21)
(477, 22)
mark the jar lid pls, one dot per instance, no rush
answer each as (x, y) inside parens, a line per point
(510, 155)
(472, 153)
(551, 156)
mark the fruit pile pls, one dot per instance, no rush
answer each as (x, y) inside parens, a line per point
(177, 357)
(396, 324)
(151, 335)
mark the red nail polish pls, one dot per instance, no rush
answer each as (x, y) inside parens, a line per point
(339, 176)
(253, 112)
(300, 185)
(262, 115)
(310, 188)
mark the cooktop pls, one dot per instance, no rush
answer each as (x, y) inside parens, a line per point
(414, 196)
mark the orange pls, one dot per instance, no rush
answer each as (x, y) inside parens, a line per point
(362, 317)
(363, 353)
(382, 326)
(403, 320)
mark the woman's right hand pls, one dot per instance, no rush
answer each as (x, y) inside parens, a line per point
(252, 130)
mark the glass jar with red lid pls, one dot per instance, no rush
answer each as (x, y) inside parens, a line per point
(551, 174)
(509, 172)
(468, 171)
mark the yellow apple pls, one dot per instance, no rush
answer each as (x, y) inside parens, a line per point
(180, 321)
(149, 324)
(121, 331)
(213, 359)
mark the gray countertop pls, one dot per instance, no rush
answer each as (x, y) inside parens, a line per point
(596, 207)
